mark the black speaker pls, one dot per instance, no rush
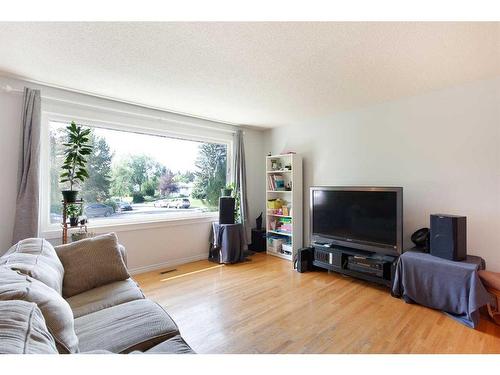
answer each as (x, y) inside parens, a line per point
(448, 238)
(304, 261)
(226, 210)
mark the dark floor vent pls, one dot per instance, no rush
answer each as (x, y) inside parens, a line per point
(168, 271)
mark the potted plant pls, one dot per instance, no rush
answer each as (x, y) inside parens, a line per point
(230, 191)
(75, 159)
(226, 191)
(73, 212)
(237, 201)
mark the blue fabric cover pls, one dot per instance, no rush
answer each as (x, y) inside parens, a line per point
(449, 286)
(227, 243)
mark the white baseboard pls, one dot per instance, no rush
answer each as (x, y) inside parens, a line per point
(168, 264)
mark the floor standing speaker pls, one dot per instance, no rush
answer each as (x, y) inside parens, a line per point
(448, 237)
(226, 210)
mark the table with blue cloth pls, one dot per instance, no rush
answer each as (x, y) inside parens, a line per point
(227, 243)
(449, 286)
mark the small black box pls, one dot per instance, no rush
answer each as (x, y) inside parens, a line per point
(448, 236)
(305, 257)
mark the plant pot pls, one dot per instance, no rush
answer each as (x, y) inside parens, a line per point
(69, 196)
(73, 221)
(226, 192)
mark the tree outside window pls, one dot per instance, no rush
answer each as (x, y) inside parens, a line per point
(154, 176)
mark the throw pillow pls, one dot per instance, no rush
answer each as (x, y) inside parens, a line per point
(91, 263)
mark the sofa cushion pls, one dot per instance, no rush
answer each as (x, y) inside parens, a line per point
(174, 345)
(37, 258)
(56, 311)
(23, 329)
(104, 296)
(91, 263)
(136, 325)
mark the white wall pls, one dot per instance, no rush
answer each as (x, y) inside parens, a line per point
(147, 245)
(162, 246)
(442, 147)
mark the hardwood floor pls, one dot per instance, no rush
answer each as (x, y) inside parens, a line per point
(263, 306)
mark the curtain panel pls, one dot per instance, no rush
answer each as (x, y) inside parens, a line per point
(27, 201)
(240, 178)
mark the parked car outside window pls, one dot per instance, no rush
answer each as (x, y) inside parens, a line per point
(179, 203)
(123, 206)
(97, 210)
(162, 203)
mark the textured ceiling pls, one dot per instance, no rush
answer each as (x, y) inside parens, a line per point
(264, 74)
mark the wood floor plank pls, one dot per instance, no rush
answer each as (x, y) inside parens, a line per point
(263, 306)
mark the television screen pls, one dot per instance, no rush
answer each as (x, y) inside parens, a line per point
(366, 216)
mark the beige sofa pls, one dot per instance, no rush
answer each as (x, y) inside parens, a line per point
(78, 298)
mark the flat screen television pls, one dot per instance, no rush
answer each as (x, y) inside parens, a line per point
(365, 218)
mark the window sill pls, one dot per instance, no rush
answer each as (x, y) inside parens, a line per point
(54, 231)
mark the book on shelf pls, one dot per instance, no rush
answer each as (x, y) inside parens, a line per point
(276, 182)
(279, 207)
(281, 224)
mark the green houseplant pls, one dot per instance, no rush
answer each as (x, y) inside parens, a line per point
(237, 201)
(231, 191)
(226, 191)
(73, 211)
(75, 159)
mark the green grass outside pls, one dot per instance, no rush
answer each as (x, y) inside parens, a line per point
(200, 204)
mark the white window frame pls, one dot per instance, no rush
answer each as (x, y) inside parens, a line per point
(128, 123)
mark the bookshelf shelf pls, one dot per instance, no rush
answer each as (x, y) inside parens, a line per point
(284, 215)
(279, 255)
(277, 215)
(281, 233)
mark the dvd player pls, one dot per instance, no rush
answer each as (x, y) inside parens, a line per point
(366, 265)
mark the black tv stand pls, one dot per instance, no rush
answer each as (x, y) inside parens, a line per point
(365, 265)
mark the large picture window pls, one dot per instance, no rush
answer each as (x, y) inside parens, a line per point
(140, 177)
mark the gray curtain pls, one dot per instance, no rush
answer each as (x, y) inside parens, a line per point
(26, 222)
(240, 179)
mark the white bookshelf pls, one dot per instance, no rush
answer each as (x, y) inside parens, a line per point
(291, 198)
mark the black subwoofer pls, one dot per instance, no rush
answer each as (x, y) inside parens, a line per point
(226, 210)
(304, 261)
(258, 240)
(448, 236)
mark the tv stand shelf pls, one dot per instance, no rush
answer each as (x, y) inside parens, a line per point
(373, 267)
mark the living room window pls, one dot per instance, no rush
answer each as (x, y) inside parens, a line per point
(139, 177)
